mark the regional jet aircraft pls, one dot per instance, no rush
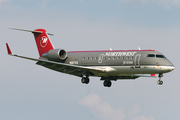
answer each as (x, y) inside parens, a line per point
(109, 65)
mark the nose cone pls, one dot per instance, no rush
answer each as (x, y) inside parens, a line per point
(171, 68)
(166, 69)
(169, 65)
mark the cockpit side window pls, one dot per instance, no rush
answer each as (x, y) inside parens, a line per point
(160, 56)
(150, 55)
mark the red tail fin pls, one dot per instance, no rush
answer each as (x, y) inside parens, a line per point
(42, 41)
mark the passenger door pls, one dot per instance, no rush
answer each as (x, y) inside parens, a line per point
(137, 60)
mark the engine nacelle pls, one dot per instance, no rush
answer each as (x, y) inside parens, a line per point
(55, 55)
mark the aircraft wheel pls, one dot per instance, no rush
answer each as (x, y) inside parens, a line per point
(107, 83)
(85, 80)
(160, 82)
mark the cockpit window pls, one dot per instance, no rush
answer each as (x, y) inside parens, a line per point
(160, 56)
(150, 55)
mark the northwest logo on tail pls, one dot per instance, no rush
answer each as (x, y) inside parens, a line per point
(43, 41)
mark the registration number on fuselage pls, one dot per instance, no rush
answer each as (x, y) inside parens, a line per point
(73, 62)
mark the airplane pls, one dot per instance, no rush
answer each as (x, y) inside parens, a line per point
(109, 65)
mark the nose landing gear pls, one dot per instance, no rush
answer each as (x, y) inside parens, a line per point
(160, 82)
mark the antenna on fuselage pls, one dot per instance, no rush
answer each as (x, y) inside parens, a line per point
(139, 48)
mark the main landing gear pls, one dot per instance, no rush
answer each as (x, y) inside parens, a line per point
(107, 83)
(85, 80)
(160, 82)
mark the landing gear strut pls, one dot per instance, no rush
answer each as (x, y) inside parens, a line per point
(107, 83)
(160, 82)
(85, 80)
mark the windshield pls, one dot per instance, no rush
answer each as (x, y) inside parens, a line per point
(160, 56)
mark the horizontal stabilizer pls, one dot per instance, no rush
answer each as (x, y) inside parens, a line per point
(30, 31)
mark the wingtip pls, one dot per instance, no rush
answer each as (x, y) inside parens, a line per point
(8, 49)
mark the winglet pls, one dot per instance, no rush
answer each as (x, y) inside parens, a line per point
(8, 49)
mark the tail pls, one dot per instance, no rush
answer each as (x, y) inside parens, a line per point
(42, 41)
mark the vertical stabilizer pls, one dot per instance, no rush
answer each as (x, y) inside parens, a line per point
(42, 41)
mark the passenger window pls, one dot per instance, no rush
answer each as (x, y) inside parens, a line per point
(160, 56)
(109, 58)
(150, 55)
(83, 58)
(92, 58)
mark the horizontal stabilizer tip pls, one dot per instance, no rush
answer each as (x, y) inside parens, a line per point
(8, 49)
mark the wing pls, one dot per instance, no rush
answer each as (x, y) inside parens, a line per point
(76, 70)
(63, 67)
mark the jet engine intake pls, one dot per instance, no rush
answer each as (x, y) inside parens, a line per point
(57, 55)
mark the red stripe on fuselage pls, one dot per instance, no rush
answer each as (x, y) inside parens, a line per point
(110, 51)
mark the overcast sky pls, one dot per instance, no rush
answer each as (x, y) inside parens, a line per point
(31, 92)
